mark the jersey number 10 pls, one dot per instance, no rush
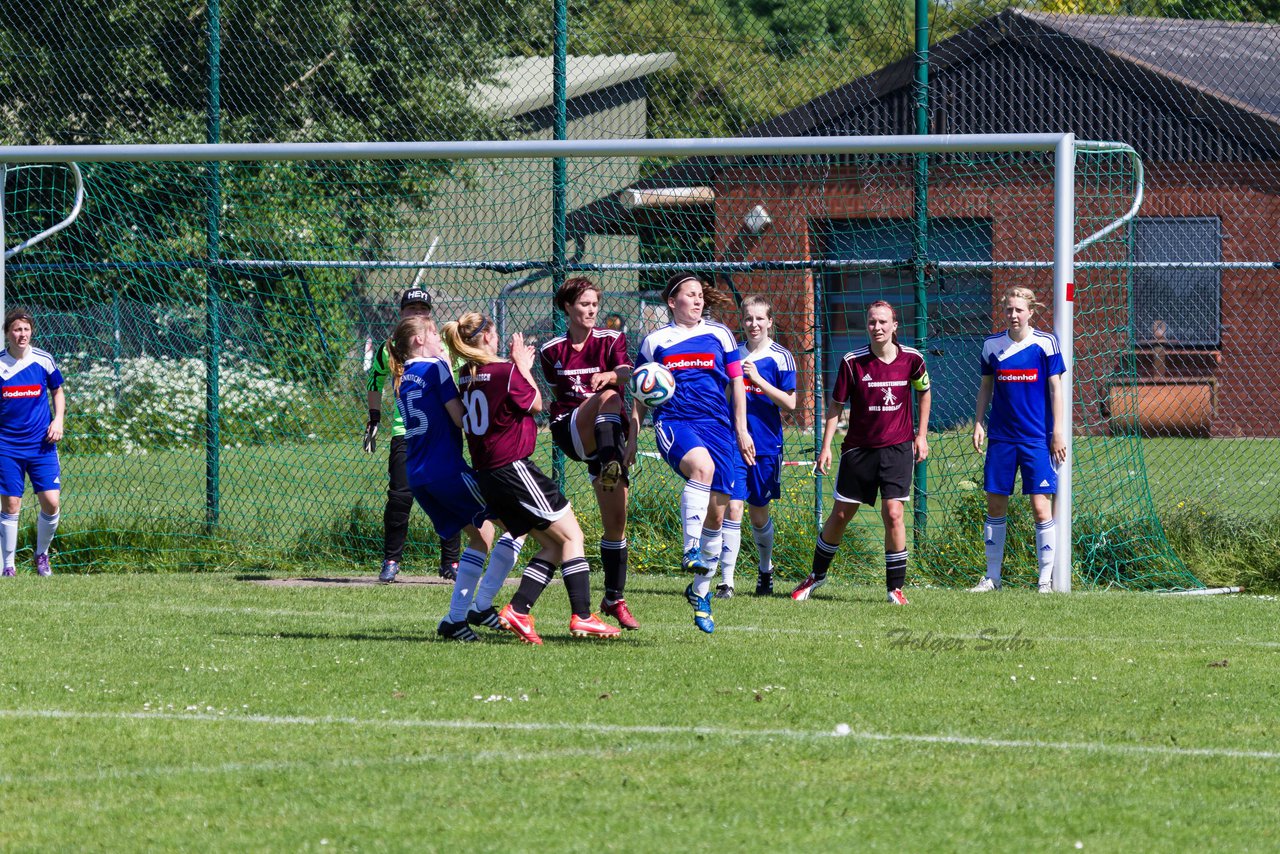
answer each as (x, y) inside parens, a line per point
(476, 418)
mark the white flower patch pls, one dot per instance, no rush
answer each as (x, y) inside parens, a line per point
(146, 403)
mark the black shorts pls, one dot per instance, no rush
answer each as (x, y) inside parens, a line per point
(564, 435)
(521, 497)
(864, 471)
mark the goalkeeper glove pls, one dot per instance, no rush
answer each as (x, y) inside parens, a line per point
(371, 431)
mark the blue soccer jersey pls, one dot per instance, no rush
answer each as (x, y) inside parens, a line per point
(764, 419)
(703, 359)
(1020, 406)
(433, 443)
(24, 401)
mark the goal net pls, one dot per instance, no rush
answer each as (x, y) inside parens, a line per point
(215, 310)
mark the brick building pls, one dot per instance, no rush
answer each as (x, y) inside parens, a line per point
(1199, 100)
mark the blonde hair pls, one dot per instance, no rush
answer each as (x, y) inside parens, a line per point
(755, 300)
(462, 336)
(400, 344)
(1022, 293)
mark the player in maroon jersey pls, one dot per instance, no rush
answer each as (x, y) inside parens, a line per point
(880, 448)
(587, 367)
(500, 398)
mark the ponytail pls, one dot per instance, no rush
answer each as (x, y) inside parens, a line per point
(462, 336)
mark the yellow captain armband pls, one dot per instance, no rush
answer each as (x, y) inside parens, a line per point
(921, 384)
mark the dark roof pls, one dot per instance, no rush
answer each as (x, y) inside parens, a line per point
(1224, 76)
(1237, 62)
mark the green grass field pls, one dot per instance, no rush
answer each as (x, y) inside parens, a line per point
(205, 712)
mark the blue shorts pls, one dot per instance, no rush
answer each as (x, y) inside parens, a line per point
(677, 438)
(764, 481)
(1004, 459)
(740, 469)
(41, 466)
(452, 502)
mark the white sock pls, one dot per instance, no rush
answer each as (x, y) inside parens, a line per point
(502, 559)
(1046, 545)
(46, 526)
(8, 537)
(470, 568)
(731, 539)
(694, 501)
(763, 538)
(993, 535)
(709, 543)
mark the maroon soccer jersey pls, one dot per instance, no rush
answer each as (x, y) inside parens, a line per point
(879, 396)
(497, 422)
(569, 370)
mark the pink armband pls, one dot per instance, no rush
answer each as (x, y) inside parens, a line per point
(733, 369)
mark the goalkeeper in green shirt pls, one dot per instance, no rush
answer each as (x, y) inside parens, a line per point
(395, 518)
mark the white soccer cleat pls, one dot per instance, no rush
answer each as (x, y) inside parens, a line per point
(986, 585)
(1045, 587)
(897, 597)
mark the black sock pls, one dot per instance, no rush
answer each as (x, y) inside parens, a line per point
(606, 436)
(895, 569)
(450, 550)
(577, 583)
(823, 554)
(613, 554)
(535, 579)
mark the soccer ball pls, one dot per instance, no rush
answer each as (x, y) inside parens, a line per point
(652, 383)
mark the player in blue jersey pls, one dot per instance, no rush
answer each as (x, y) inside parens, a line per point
(696, 428)
(442, 482)
(29, 437)
(769, 378)
(1022, 380)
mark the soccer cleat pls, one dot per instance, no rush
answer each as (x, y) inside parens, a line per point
(806, 588)
(724, 591)
(986, 585)
(487, 618)
(610, 474)
(701, 610)
(42, 566)
(9, 572)
(1045, 587)
(458, 631)
(897, 597)
(693, 562)
(390, 569)
(591, 626)
(619, 611)
(449, 571)
(764, 584)
(520, 624)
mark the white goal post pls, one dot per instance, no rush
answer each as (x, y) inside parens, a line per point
(1063, 145)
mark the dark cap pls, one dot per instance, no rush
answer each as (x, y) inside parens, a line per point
(415, 295)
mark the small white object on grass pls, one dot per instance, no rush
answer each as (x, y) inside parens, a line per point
(842, 729)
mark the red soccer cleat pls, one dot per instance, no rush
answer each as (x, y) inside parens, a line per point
(520, 624)
(591, 627)
(620, 612)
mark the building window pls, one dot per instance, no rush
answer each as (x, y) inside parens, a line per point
(1176, 305)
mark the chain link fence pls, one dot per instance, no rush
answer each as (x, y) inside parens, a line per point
(123, 294)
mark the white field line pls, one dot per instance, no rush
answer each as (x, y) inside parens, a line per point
(685, 731)
(722, 627)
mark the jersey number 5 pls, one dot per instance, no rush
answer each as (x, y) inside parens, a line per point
(415, 420)
(476, 418)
